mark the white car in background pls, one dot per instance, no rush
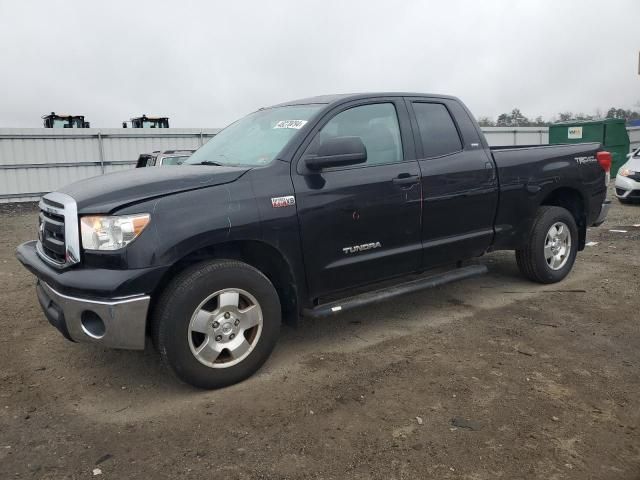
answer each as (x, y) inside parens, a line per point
(163, 158)
(628, 179)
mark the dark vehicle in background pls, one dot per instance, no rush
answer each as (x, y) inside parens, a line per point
(163, 158)
(147, 122)
(54, 120)
(289, 210)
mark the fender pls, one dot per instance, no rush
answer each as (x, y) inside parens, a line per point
(526, 182)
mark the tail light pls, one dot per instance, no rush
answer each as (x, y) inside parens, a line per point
(604, 159)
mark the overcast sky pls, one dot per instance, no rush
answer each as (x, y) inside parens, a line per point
(206, 63)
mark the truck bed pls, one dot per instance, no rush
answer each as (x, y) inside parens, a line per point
(527, 173)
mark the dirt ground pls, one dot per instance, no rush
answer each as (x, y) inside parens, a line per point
(490, 378)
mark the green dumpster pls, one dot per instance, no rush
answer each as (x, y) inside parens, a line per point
(611, 133)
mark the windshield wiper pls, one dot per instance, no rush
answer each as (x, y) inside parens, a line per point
(209, 162)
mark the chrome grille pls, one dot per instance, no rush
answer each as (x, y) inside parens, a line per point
(58, 240)
(51, 237)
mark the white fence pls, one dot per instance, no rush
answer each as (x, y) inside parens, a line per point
(634, 137)
(35, 161)
(516, 135)
(536, 135)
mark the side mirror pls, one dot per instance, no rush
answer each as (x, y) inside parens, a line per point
(337, 152)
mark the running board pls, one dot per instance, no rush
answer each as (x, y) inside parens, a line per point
(383, 294)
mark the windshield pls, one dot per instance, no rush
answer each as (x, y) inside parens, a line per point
(255, 139)
(174, 160)
(65, 123)
(151, 124)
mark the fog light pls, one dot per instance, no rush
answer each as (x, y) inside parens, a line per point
(92, 324)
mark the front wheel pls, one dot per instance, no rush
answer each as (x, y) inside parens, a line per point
(217, 323)
(551, 250)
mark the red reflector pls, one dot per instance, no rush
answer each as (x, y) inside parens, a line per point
(604, 159)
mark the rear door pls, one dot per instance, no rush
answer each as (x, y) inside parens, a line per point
(459, 183)
(361, 223)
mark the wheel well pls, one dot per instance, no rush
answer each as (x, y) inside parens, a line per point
(571, 200)
(259, 255)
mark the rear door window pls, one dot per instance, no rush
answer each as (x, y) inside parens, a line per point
(438, 133)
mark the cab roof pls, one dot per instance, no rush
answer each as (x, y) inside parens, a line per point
(150, 117)
(62, 115)
(345, 97)
(170, 152)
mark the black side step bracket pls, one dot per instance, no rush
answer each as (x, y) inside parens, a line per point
(383, 294)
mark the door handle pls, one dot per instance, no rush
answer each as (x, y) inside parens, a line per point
(405, 178)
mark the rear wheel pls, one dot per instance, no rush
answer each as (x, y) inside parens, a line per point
(217, 323)
(551, 250)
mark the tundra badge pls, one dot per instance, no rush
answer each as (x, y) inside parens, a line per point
(361, 248)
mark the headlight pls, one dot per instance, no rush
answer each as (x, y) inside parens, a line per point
(625, 172)
(111, 232)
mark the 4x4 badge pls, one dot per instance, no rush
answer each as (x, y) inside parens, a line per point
(278, 202)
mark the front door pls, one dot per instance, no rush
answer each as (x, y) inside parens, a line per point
(361, 223)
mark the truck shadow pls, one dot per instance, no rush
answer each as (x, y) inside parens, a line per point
(345, 332)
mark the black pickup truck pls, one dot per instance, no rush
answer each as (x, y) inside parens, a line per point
(291, 210)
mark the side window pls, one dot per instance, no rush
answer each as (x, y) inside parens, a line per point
(437, 131)
(377, 126)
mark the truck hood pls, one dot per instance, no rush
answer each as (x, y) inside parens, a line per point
(105, 193)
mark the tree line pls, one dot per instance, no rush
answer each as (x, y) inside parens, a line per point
(516, 118)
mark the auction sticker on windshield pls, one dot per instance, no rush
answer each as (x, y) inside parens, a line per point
(295, 124)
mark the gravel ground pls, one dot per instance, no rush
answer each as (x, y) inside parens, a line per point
(489, 378)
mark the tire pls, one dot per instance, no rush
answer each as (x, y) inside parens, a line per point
(201, 323)
(533, 260)
(624, 201)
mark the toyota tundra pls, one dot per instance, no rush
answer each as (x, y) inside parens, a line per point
(310, 207)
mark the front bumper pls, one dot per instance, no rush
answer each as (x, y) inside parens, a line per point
(604, 211)
(115, 324)
(102, 306)
(627, 188)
